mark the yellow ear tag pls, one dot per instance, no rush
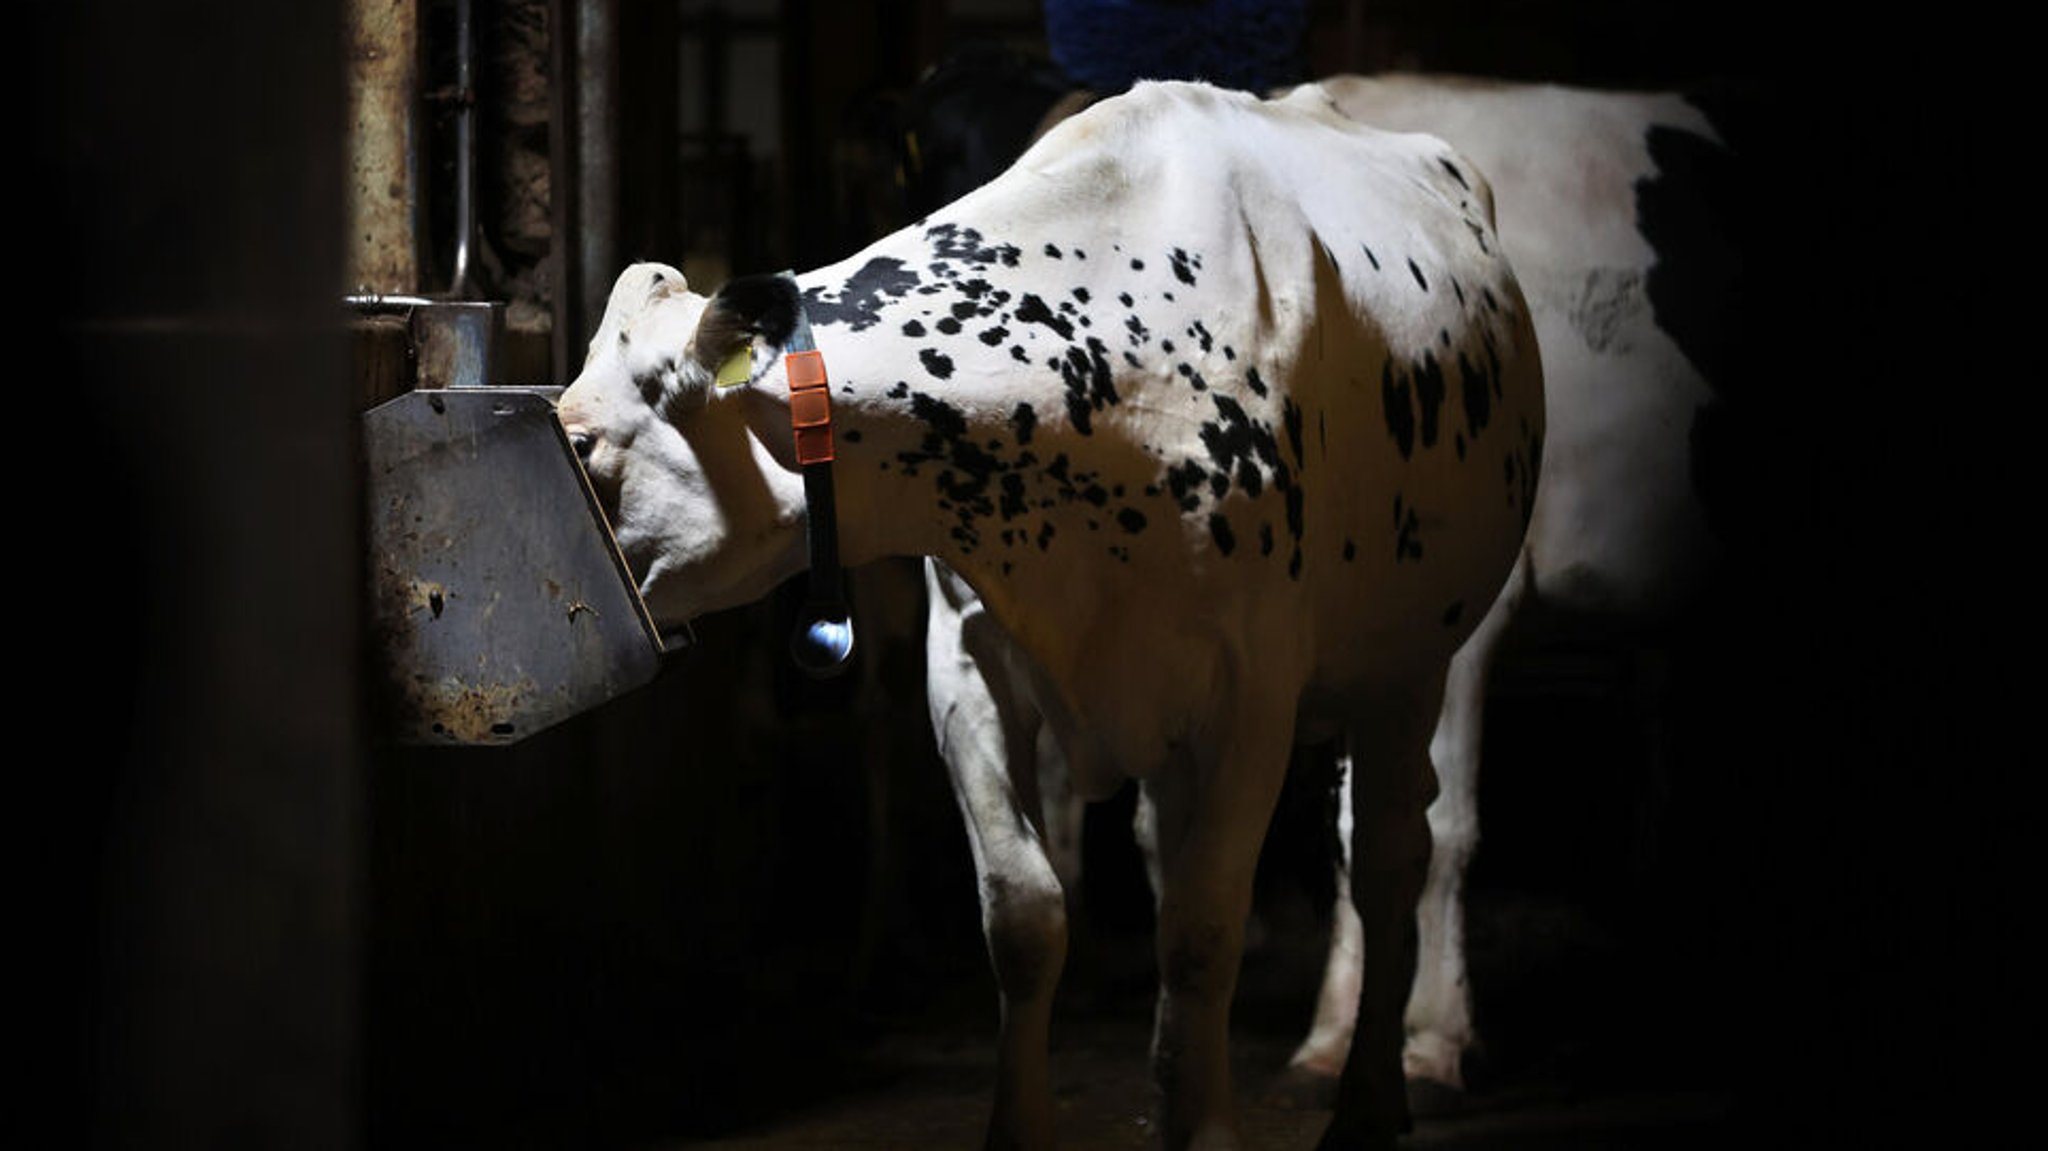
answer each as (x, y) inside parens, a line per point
(736, 369)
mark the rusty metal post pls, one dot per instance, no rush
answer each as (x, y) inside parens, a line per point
(597, 135)
(566, 326)
(384, 178)
(583, 156)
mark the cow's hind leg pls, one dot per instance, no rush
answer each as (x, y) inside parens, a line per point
(1392, 786)
(1440, 1010)
(1209, 819)
(1312, 1071)
(1439, 1019)
(987, 733)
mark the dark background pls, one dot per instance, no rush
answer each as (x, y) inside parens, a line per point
(253, 922)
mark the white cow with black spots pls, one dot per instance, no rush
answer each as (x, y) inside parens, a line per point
(1603, 213)
(1229, 415)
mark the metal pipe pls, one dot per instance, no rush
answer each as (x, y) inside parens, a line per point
(562, 185)
(465, 149)
(376, 305)
(597, 135)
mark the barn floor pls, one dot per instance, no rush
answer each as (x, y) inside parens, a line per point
(931, 1091)
(924, 1083)
(1603, 987)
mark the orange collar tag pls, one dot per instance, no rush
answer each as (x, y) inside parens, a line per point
(810, 407)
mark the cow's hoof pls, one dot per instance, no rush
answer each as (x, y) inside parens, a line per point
(1299, 1089)
(1441, 1075)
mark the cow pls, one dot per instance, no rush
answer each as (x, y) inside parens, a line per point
(1227, 412)
(1600, 207)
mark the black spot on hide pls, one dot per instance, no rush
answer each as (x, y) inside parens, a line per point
(1429, 394)
(1091, 385)
(1397, 400)
(1478, 389)
(1219, 530)
(858, 303)
(1406, 544)
(1032, 310)
(952, 242)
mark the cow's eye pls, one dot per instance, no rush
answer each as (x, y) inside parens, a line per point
(583, 442)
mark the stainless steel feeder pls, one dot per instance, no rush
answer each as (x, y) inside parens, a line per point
(499, 600)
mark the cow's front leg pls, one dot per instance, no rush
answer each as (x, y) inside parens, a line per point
(1392, 786)
(987, 732)
(1209, 822)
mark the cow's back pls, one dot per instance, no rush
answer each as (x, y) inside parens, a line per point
(1321, 366)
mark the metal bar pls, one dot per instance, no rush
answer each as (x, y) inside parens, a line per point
(563, 184)
(465, 149)
(376, 305)
(597, 133)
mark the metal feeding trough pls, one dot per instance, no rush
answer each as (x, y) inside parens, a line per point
(498, 595)
(498, 599)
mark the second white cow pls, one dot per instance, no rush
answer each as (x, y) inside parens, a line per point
(1585, 195)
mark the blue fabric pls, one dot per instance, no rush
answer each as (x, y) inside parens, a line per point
(1107, 45)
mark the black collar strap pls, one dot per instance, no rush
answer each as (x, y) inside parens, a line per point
(823, 642)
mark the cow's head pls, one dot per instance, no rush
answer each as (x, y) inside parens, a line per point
(698, 479)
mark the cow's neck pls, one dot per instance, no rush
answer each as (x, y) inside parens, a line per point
(900, 446)
(969, 414)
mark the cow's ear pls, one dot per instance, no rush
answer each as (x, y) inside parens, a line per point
(750, 317)
(641, 285)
